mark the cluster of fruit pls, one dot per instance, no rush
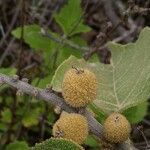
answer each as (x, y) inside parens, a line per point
(79, 88)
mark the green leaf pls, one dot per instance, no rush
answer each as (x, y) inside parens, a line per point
(100, 116)
(18, 145)
(8, 71)
(1, 99)
(31, 117)
(57, 144)
(119, 86)
(65, 51)
(137, 113)
(6, 115)
(33, 37)
(9, 101)
(59, 73)
(51, 117)
(41, 83)
(92, 142)
(3, 127)
(69, 17)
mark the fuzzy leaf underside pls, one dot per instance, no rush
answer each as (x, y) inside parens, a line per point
(57, 144)
(122, 84)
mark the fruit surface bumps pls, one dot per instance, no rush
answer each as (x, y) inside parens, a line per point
(117, 128)
(71, 126)
(79, 87)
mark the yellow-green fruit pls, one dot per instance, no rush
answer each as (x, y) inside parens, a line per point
(79, 87)
(117, 128)
(71, 126)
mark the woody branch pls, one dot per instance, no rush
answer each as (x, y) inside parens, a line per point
(49, 96)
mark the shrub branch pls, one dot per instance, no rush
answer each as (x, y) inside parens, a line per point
(50, 97)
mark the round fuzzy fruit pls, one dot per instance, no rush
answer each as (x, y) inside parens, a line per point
(79, 87)
(117, 128)
(71, 126)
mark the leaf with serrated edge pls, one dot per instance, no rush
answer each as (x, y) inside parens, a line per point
(58, 144)
(122, 84)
